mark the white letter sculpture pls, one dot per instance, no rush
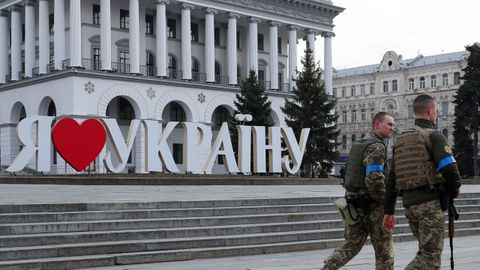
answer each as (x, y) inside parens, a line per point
(41, 147)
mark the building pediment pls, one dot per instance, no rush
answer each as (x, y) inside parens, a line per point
(390, 62)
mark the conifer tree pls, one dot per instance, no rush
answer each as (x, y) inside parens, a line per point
(467, 115)
(311, 107)
(251, 100)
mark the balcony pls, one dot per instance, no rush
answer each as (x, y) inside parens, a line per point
(145, 71)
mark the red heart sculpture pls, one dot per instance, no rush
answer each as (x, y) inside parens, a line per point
(79, 144)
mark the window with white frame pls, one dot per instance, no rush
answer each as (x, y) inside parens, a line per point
(124, 19)
(352, 91)
(194, 32)
(433, 81)
(410, 111)
(149, 30)
(445, 108)
(444, 79)
(456, 78)
(394, 86)
(362, 89)
(344, 91)
(344, 116)
(364, 114)
(172, 28)
(422, 83)
(385, 86)
(411, 84)
(96, 14)
(354, 116)
(372, 88)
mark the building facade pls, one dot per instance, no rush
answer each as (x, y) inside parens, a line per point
(391, 86)
(165, 60)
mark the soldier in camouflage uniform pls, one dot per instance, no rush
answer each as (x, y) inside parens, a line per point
(425, 174)
(364, 182)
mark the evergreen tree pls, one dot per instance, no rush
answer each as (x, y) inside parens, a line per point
(251, 100)
(467, 115)
(311, 107)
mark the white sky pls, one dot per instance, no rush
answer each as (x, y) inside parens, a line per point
(369, 28)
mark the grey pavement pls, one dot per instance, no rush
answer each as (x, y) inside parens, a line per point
(467, 251)
(40, 194)
(33, 194)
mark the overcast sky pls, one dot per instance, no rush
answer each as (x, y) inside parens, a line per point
(369, 28)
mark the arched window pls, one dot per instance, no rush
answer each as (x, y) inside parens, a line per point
(354, 138)
(344, 142)
(172, 66)
(456, 78)
(422, 82)
(150, 63)
(411, 84)
(220, 115)
(444, 79)
(433, 81)
(195, 70)
(177, 113)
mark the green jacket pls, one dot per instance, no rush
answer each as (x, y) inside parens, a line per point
(442, 156)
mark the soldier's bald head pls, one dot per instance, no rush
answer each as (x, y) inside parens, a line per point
(422, 103)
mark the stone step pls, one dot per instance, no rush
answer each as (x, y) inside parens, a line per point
(65, 207)
(107, 247)
(162, 213)
(165, 233)
(466, 198)
(76, 262)
(78, 226)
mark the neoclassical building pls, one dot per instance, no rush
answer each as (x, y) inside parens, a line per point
(391, 86)
(166, 60)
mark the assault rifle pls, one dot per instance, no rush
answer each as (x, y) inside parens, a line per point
(452, 216)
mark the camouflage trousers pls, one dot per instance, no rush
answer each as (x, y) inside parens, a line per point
(355, 237)
(427, 223)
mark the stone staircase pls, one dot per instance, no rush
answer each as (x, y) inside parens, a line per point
(71, 236)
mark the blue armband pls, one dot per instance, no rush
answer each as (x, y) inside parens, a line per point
(446, 161)
(374, 168)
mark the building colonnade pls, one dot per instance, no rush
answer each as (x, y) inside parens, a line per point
(161, 64)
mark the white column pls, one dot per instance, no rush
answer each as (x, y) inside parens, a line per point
(253, 44)
(328, 61)
(273, 55)
(232, 48)
(3, 46)
(16, 44)
(292, 55)
(186, 42)
(311, 41)
(105, 35)
(134, 41)
(43, 37)
(29, 38)
(59, 33)
(161, 40)
(75, 33)
(210, 44)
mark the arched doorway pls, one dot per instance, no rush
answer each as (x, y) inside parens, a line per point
(47, 107)
(122, 109)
